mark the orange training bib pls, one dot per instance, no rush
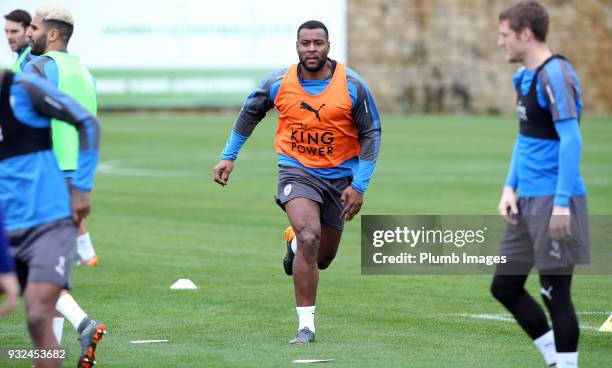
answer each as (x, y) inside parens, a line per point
(318, 131)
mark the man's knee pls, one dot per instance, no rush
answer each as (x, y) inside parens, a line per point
(506, 291)
(308, 242)
(328, 246)
(555, 292)
(38, 313)
(40, 301)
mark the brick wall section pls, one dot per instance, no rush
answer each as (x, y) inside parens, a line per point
(442, 56)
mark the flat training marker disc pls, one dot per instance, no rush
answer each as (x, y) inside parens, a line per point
(183, 284)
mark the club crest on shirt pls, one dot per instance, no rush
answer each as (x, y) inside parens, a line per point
(521, 111)
(60, 267)
(556, 250)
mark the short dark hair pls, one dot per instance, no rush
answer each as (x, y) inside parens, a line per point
(527, 14)
(65, 29)
(19, 16)
(313, 24)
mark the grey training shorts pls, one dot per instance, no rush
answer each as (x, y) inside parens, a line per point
(294, 182)
(529, 242)
(44, 253)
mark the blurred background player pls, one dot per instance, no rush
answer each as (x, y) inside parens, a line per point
(328, 132)
(49, 34)
(15, 28)
(40, 222)
(547, 226)
(9, 286)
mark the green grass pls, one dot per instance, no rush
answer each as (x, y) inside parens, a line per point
(158, 217)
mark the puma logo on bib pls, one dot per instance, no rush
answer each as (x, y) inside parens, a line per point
(307, 107)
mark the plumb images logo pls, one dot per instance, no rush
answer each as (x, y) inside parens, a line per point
(468, 245)
(429, 244)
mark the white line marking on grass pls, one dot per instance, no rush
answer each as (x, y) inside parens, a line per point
(309, 361)
(492, 317)
(146, 341)
(508, 318)
(115, 167)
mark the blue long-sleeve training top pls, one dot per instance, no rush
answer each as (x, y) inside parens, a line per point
(364, 113)
(33, 190)
(542, 166)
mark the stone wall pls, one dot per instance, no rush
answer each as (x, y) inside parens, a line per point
(442, 55)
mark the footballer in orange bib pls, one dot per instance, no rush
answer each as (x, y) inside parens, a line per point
(327, 143)
(318, 131)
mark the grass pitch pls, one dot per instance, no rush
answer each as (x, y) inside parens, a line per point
(158, 217)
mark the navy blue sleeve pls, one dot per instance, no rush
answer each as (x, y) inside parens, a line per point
(570, 150)
(44, 67)
(366, 117)
(560, 88)
(7, 264)
(257, 104)
(35, 100)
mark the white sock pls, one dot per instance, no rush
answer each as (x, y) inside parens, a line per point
(69, 308)
(306, 316)
(85, 247)
(567, 360)
(546, 346)
(58, 329)
(294, 245)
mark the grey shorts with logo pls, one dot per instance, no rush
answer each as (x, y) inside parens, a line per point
(44, 253)
(294, 182)
(529, 242)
